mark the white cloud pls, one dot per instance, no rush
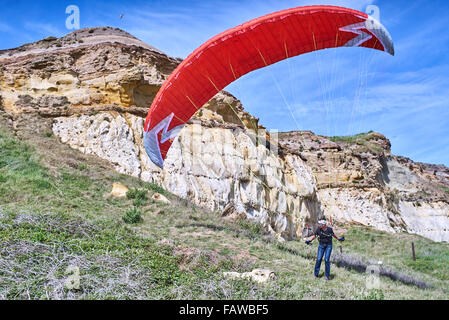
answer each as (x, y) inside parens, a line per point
(5, 28)
(180, 30)
(44, 28)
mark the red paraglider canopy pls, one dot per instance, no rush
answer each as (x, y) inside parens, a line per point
(247, 47)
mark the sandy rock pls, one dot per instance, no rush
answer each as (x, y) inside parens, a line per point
(356, 175)
(118, 190)
(96, 89)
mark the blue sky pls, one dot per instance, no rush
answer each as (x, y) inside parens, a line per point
(333, 92)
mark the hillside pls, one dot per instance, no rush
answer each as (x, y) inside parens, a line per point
(55, 212)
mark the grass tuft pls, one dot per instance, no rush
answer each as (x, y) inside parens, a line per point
(133, 215)
(137, 194)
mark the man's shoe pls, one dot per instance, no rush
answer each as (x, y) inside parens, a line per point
(326, 278)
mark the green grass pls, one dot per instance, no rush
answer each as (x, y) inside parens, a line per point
(20, 172)
(363, 140)
(396, 250)
(351, 139)
(53, 219)
(445, 189)
(254, 229)
(155, 188)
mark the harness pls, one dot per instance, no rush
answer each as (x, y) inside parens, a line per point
(324, 235)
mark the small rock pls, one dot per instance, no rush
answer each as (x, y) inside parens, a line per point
(356, 175)
(280, 238)
(257, 275)
(160, 197)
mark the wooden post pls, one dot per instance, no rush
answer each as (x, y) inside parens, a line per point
(413, 251)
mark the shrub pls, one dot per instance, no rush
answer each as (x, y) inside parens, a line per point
(137, 194)
(254, 229)
(132, 216)
(49, 39)
(155, 188)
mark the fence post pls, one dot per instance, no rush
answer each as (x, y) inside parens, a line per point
(413, 251)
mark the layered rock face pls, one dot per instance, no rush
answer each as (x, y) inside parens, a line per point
(97, 85)
(83, 70)
(360, 181)
(211, 166)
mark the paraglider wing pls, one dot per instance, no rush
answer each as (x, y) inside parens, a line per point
(247, 47)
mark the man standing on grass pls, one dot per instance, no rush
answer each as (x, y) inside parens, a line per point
(325, 234)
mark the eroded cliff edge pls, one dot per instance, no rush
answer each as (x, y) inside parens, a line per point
(360, 181)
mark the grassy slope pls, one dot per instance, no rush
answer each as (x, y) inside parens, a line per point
(54, 213)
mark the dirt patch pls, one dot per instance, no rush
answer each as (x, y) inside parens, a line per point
(191, 258)
(200, 234)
